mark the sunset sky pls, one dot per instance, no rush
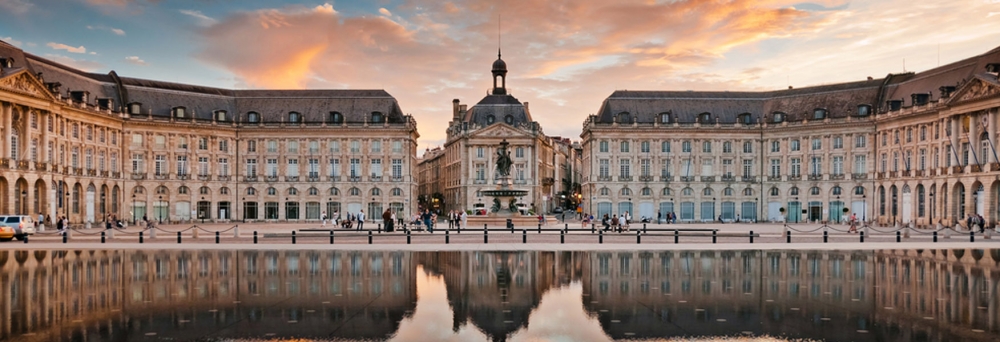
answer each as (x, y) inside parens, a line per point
(564, 56)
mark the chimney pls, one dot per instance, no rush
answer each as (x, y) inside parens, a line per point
(870, 78)
(526, 106)
(454, 109)
(789, 87)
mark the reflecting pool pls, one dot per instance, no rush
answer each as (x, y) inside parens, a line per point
(240, 295)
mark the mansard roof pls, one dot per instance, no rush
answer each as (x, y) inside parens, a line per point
(499, 107)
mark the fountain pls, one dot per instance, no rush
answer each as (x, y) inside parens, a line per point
(504, 194)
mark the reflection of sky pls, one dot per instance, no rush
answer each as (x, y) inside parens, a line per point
(432, 318)
(560, 317)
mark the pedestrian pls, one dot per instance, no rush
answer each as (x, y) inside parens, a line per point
(583, 221)
(616, 223)
(659, 217)
(606, 222)
(387, 220)
(323, 218)
(673, 216)
(465, 220)
(361, 219)
(59, 224)
(854, 224)
(427, 220)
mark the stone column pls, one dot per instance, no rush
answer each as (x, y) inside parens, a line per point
(7, 111)
(974, 147)
(991, 131)
(954, 149)
(43, 147)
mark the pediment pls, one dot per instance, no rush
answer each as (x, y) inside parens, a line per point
(975, 90)
(500, 130)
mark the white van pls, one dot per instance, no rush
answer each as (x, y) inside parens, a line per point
(23, 225)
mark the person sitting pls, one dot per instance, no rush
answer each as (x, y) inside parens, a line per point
(615, 223)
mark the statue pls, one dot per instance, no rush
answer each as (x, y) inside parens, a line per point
(496, 205)
(512, 205)
(503, 159)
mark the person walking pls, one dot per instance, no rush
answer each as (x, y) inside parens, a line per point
(387, 220)
(854, 224)
(361, 219)
(323, 218)
(427, 217)
(464, 217)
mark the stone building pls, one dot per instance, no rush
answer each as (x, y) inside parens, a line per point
(805, 154)
(467, 163)
(84, 145)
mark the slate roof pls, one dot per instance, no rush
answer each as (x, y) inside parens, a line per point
(158, 98)
(499, 106)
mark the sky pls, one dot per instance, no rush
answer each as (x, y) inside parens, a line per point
(564, 56)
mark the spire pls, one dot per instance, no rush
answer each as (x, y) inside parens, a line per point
(499, 68)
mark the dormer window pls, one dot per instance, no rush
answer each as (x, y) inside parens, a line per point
(180, 112)
(253, 117)
(778, 117)
(864, 110)
(665, 117)
(134, 108)
(377, 117)
(920, 99)
(79, 96)
(490, 119)
(336, 118)
(105, 103)
(508, 119)
(746, 119)
(624, 117)
(294, 117)
(220, 115)
(894, 104)
(819, 114)
(705, 118)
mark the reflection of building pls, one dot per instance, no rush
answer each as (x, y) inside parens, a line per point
(83, 144)
(49, 293)
(910, 147)
(467, 164)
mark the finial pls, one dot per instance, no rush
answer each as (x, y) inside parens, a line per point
(498, 35)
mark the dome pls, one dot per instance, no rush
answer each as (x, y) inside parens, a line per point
(499, 65)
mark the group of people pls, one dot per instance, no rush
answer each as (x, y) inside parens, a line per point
(671, 217)
(616, 223)
(356, 221)
(976, 220)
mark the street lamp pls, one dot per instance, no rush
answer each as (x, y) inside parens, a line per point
(244, 204)
(798, 210)
(160, 210)
(864, 207)
(133, 208)
(200, 211)
(24, 203)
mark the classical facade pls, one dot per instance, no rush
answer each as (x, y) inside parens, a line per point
(84, 145)
(466, 164)
(908, 148)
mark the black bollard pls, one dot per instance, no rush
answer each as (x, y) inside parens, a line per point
(972, 236)
(293, 238)
(898, 238)
(788, 237)
(539, 228)
(935, 236)
(369, 237)
(408, 237)
(566, 227)
(644, 228)
(751, 236)
(25, 239)
(66, 239)
(255, 237)
(862, 237)
(715, 236)
(677, 236)
(486, 235)
(562, 237)
(592, 228)
(600, 236)
(140, 238)
(217, 237)
(638, 237)
(826, 236)
(447, 238)
(379, 227)
(524, 236)
(102, 237)
(178, 236)
(484, 227)
(331, 236)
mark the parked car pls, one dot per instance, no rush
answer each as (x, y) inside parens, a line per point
(6, 233)
(557, 210)
(23, 225)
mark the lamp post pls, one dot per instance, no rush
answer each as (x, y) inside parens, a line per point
(23, 208)
(200, 212)
(713, 207)
(840, 215)
(244, 204)
(798, 210)
(104, 211)
(160, 212)
(932, 209)
(864, 207)
(894, 207)
(756, 207)
(133, 208)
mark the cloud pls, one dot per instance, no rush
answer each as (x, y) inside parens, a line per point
(84, 65)
(60, 46)
(385, 12)
(201, 18)
(116, 31)
(11, 41)
(135, 60)
(16, 6)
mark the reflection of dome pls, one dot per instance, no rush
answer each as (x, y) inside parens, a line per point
(499, 65)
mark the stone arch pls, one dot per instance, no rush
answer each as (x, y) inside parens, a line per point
(40, 195)
(993, 206)
(977, 192)
(103, 204)
(957, 205)
(20, 197)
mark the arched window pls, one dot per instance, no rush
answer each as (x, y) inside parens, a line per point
(666, 192)
(294, 117)
(204, 190)
(272, 191)
(687, 192)
(819, 114)
(354, 192)
(376, 192)
(162, 190)
(727, 192)
(836, 191)
(814, 191)
(293, 191)
(183, 190)
(313, 191)
(508, 119)
(775, 192)
(748, 192)
(794, 191)
(139, 190)
(626, 192)
(647, 192)
(605, 192)
(253, 117)
(224, 191)
(859, 190)
(707, 192)
(336, 117)
(396, 192)
(334, 192)
(377, 117)
(251, 191)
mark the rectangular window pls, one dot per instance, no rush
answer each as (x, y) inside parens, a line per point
(747, 147)
(480, 171)
(885, 160)
(907, 161)
(838, 165)
(860, 141)
(397, 146)
(747, 168)
(335, 167)
(334, 146)
(100, 161)
(376, 168)
(272, 167)
(860, 164)
(624, 146)
(223, 166)
(817, 144)
(160, 141)
(355, 167)
(293, 146)
(203, 166)
(272, 146)
(603, 146)
(89, 159)
(727, 147)
(775, 146)
(838, 142)
(519, 171)
(251, 145)
(796, 167)
(604, 166)
(794, 146)
(114, 162)
(519, 152)
(182, 167)
(686, 147)
(817, 166)
(666, 171)
(137, 139)
(224, 145)
(895, 161)
(313, 146)
(644, 167)
(706, 147)
(923, 160)
(479, 152)
(397, 168)
(706, 167)
(644, 147)
(203, 143)
(159, 165)
(775, 167)
(137, 166)
(182, 142)
(665, 147)
(313, 168)
(355, 146)
(377, 146)
(293, 168)
(625, 167)
(252, 167)
(727, 168)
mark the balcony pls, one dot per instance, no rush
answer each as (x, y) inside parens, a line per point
(376, 178)
(687, 178)
(92, 173)
(645, 178)
(138, 176)
(396, 179)
(314, 178)
(204, 177)
(116, 175)
(624, 178)
(78, 171)
(773, 178)
(354, 178)
(749, 179)
(815, 177)
(666, 178)
(333, 178)
(183, 176)
(837, 177)
(22, 164)
(956, 170)
(224, 178)
(795, 178)
(291, 178)
(729, 178)
(892, 175)
(479, 181)
(161, 176)
(40, 166)
(5, 163)
(707, 179)
(250, 178)
(994, 167)
(271, 178)
(603, 178)
(104, 174)
(907, 173)
(856, 176)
